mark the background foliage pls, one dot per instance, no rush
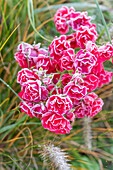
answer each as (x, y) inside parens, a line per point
(21, 136)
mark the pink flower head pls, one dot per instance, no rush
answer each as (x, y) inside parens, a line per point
(23, 60)
(33, 91)
(55, 123)
(30, 54)
(47, 80)
(44, 93)
(26, 107)
(67, 59)
(84, 62)
(105, 52)
(61, 25)
(75, 91)
(91, 82)
(57, 47)
(92, 48)
(73, 40)
(85, 34)
(78, 19)
(43, 62)
(62, 12)
(77, 77)
(38, 110)
(25, 74)
(56, 78)
(28, 49)
(59, 104)
(70, 116)
(89, 107)
(66, 79)
(104, 77)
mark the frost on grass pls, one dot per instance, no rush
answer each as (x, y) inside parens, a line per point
(54, 157)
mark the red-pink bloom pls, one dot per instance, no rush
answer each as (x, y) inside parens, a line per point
(44, 93)
(92, 48)
(84, 62)
(57, 47)
(56, 78)
(62, 12)
(67, 59)
(105, 52)
(28, 49)
(26, 107)
(91, 82)
(47, 80)
(77, 77)
(60, 19)
(79, 18)
(43, 61)
(23, 60)
(89, 107)
(55, 123)
(73, 40)
(66, 79)
(70, 116)
(61, 25)
(97, 68)
(85, 34)
(38, 110)
(33, 91)
(59, 104)
(75, 91)
(104, 77)
(25, 74)
(97, 106)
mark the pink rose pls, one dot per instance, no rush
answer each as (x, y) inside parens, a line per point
(57, 47)
(85, 34)
(67, 59)
(25, 74)
(84, 62)
(55, 123)
(75, 91)
(59, 104)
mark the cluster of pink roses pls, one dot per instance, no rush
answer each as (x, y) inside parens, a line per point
(57, 87)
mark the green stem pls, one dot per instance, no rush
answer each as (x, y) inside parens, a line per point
(103, 20)
(18, 96)
(30, 4)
